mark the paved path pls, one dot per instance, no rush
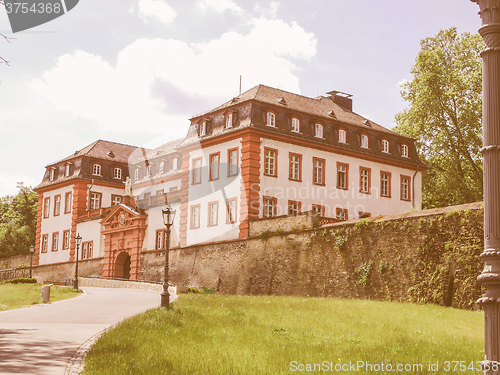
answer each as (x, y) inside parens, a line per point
(43, 338)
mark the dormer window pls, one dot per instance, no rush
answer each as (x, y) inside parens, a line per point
(271, 119)
(67, 168)
(318, 131)
(385, 146)
(229, 120)
(295, 125)
(174, 164)
(96, 169)
(342, 136)
(117, 173)
(364, 141)
(136, 174)
(161, 168)
(148, 171)
(52, 174)
(404, 151)
(202, 128)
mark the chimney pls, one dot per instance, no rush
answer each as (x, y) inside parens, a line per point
(342, 99)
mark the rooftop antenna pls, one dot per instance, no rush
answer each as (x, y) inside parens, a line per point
(240, 85)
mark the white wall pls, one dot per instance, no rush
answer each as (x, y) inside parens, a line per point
(91, 231)
(155, 222)
(55, 224)
(214, 191)
(351, 199)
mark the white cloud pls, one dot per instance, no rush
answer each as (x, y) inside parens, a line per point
(158, 9)
(220, 6)
(157, 84)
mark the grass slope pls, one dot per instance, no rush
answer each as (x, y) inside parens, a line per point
(13, 296)
(211, 334)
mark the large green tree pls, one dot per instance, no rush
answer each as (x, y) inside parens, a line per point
(444, 116)
(18, 222)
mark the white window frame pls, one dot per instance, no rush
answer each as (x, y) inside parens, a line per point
(52, 173)
(364, 180)
(233, 162)
(67, 168)
(404, 151)
(161, 168)
(228, 120)
(271, 119)
(342, 136)
(270, 162)
(295, 167)
(318, 130)
(195, 217)
(117, 173)
(385, 146)
(231, 210)
(196, 176)
(203, 128)
(364, 141)
(342, 176)
(95, 201)
(96, 169)
(213, 214)
(136, 174)
(295, 125)
(269, 207)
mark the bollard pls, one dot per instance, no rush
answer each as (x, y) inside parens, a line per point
(46, 293)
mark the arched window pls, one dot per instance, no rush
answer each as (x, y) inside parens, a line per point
(404, 151)
(229, 120)
(318, 131)
(136, 174)
(385, 146)
(96, 169)
(202, 128)
(117, 173)
(342, 136)
(295, 125)
(271, 119)
(364, 141)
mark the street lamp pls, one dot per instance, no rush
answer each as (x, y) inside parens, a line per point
(78, 240)
(32, 251)
(168, 220)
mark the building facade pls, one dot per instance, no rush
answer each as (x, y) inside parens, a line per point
(262, 154)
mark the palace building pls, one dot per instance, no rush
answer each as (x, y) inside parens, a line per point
(264, 153)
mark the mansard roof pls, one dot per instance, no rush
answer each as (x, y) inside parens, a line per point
(105, 150)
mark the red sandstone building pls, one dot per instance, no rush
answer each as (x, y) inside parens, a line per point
(264, 153)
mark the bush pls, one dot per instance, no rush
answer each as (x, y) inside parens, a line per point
(20, 280)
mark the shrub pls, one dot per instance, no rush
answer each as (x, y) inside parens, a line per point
(20, 280)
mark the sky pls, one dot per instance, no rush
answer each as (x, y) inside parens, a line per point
(136, 71)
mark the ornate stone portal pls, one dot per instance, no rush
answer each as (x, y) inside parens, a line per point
(490, 277)
(124, 231)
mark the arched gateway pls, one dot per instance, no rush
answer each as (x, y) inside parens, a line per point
(124, 231)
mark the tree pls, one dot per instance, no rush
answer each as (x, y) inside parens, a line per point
(444, 116)
(18, 222)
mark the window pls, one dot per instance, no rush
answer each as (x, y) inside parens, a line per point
(67, 203)
(136, 174)
(341, 214)
(318, 209)
(271, 119)
(385, 146)
(364, 180)
(195, 216)
(117, 173)
(364, 141)
(95, 200)
(196, 171)
(294, 208)
(67, 169)
(231, 210)
(57, 205)
(45, 240)
(160, 192)
(232, 158)
(271, 156)
(161, 169)
(295, 125)
(385, 184)
(363, 215)
(202, 128)
(229, 120)
(46, 207)
(161, 238)
(404, 151)
(148, 171)
(214, 166)
(55, 241)
(175, 162)
(318, 171)
(96, 169)
(405, 188)
(116, 199)
(295, 167)
(318, 130)
(269, 207)
(342, 176)
(87, 250)
(213, 213)
(342, 136)
(66, 239)
(52, 174)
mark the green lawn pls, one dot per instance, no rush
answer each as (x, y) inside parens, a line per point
(14, 296)
(212, 334)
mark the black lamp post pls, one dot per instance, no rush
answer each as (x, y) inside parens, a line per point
(78, 240)
(168, 220)
(32, 251)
